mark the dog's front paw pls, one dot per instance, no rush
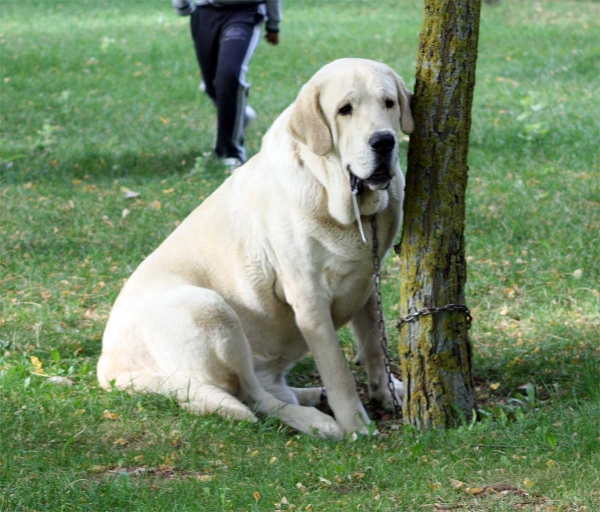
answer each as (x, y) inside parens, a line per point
(354, 420)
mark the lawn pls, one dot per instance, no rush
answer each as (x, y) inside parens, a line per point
(105, 144)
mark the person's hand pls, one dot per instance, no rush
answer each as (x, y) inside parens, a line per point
(272, 38)
(185, 8)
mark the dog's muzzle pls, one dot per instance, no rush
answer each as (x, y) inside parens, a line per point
(383, 145)
(381, 177)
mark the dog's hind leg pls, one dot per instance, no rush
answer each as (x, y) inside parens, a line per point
(310, 396)
(212, 399)
(304, 419)
(196, 348)
(193, 396)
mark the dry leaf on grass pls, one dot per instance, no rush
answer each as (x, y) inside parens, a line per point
(37, 365)
(457, 484)
(161, 472)
(109, 415)
(500, 489)
(325, 481)
(129, 194)
(474, 490)
(60, 381)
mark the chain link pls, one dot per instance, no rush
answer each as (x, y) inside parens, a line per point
(382, 331)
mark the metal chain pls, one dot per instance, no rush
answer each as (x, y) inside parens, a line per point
(430, 311)
(382, 331)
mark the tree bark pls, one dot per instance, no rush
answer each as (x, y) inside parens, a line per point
(435, 349)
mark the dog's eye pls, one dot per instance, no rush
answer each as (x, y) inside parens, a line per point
(389, 104)
(346, 110)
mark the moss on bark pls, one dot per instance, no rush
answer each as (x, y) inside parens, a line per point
(435, 350)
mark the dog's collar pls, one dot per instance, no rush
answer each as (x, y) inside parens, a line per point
(357, 185)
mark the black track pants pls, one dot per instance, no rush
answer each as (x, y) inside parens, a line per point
(225, 39)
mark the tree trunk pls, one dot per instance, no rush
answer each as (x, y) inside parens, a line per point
(435, 349)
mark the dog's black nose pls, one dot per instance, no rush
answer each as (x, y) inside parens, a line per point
(382, 143)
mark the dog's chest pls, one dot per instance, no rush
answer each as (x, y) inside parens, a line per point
(347, 274)
(349, 286)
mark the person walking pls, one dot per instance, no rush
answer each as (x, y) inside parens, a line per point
(226, 34)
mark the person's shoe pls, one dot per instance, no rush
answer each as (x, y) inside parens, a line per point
(249, 115)
(231, 162)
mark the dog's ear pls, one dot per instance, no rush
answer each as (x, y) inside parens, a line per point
(307, 123)
(404, 96)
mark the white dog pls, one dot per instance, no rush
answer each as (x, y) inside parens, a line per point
(272, 264)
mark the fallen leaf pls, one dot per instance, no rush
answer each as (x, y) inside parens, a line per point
(504, 310)
(525, 387)
(91, 313)
(256, 495)
(457, 484)
(129, 194)
(60, 381)
(37, 365)
(474, 490)
(125, 212)
(109, 415)
(325, 481)
(494, 386)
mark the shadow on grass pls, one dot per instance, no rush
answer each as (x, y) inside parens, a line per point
(105, 167)
(558, 370)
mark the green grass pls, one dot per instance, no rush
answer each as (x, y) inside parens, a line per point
(100, 97)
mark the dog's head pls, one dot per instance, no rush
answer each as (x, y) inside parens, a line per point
(353, 109)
